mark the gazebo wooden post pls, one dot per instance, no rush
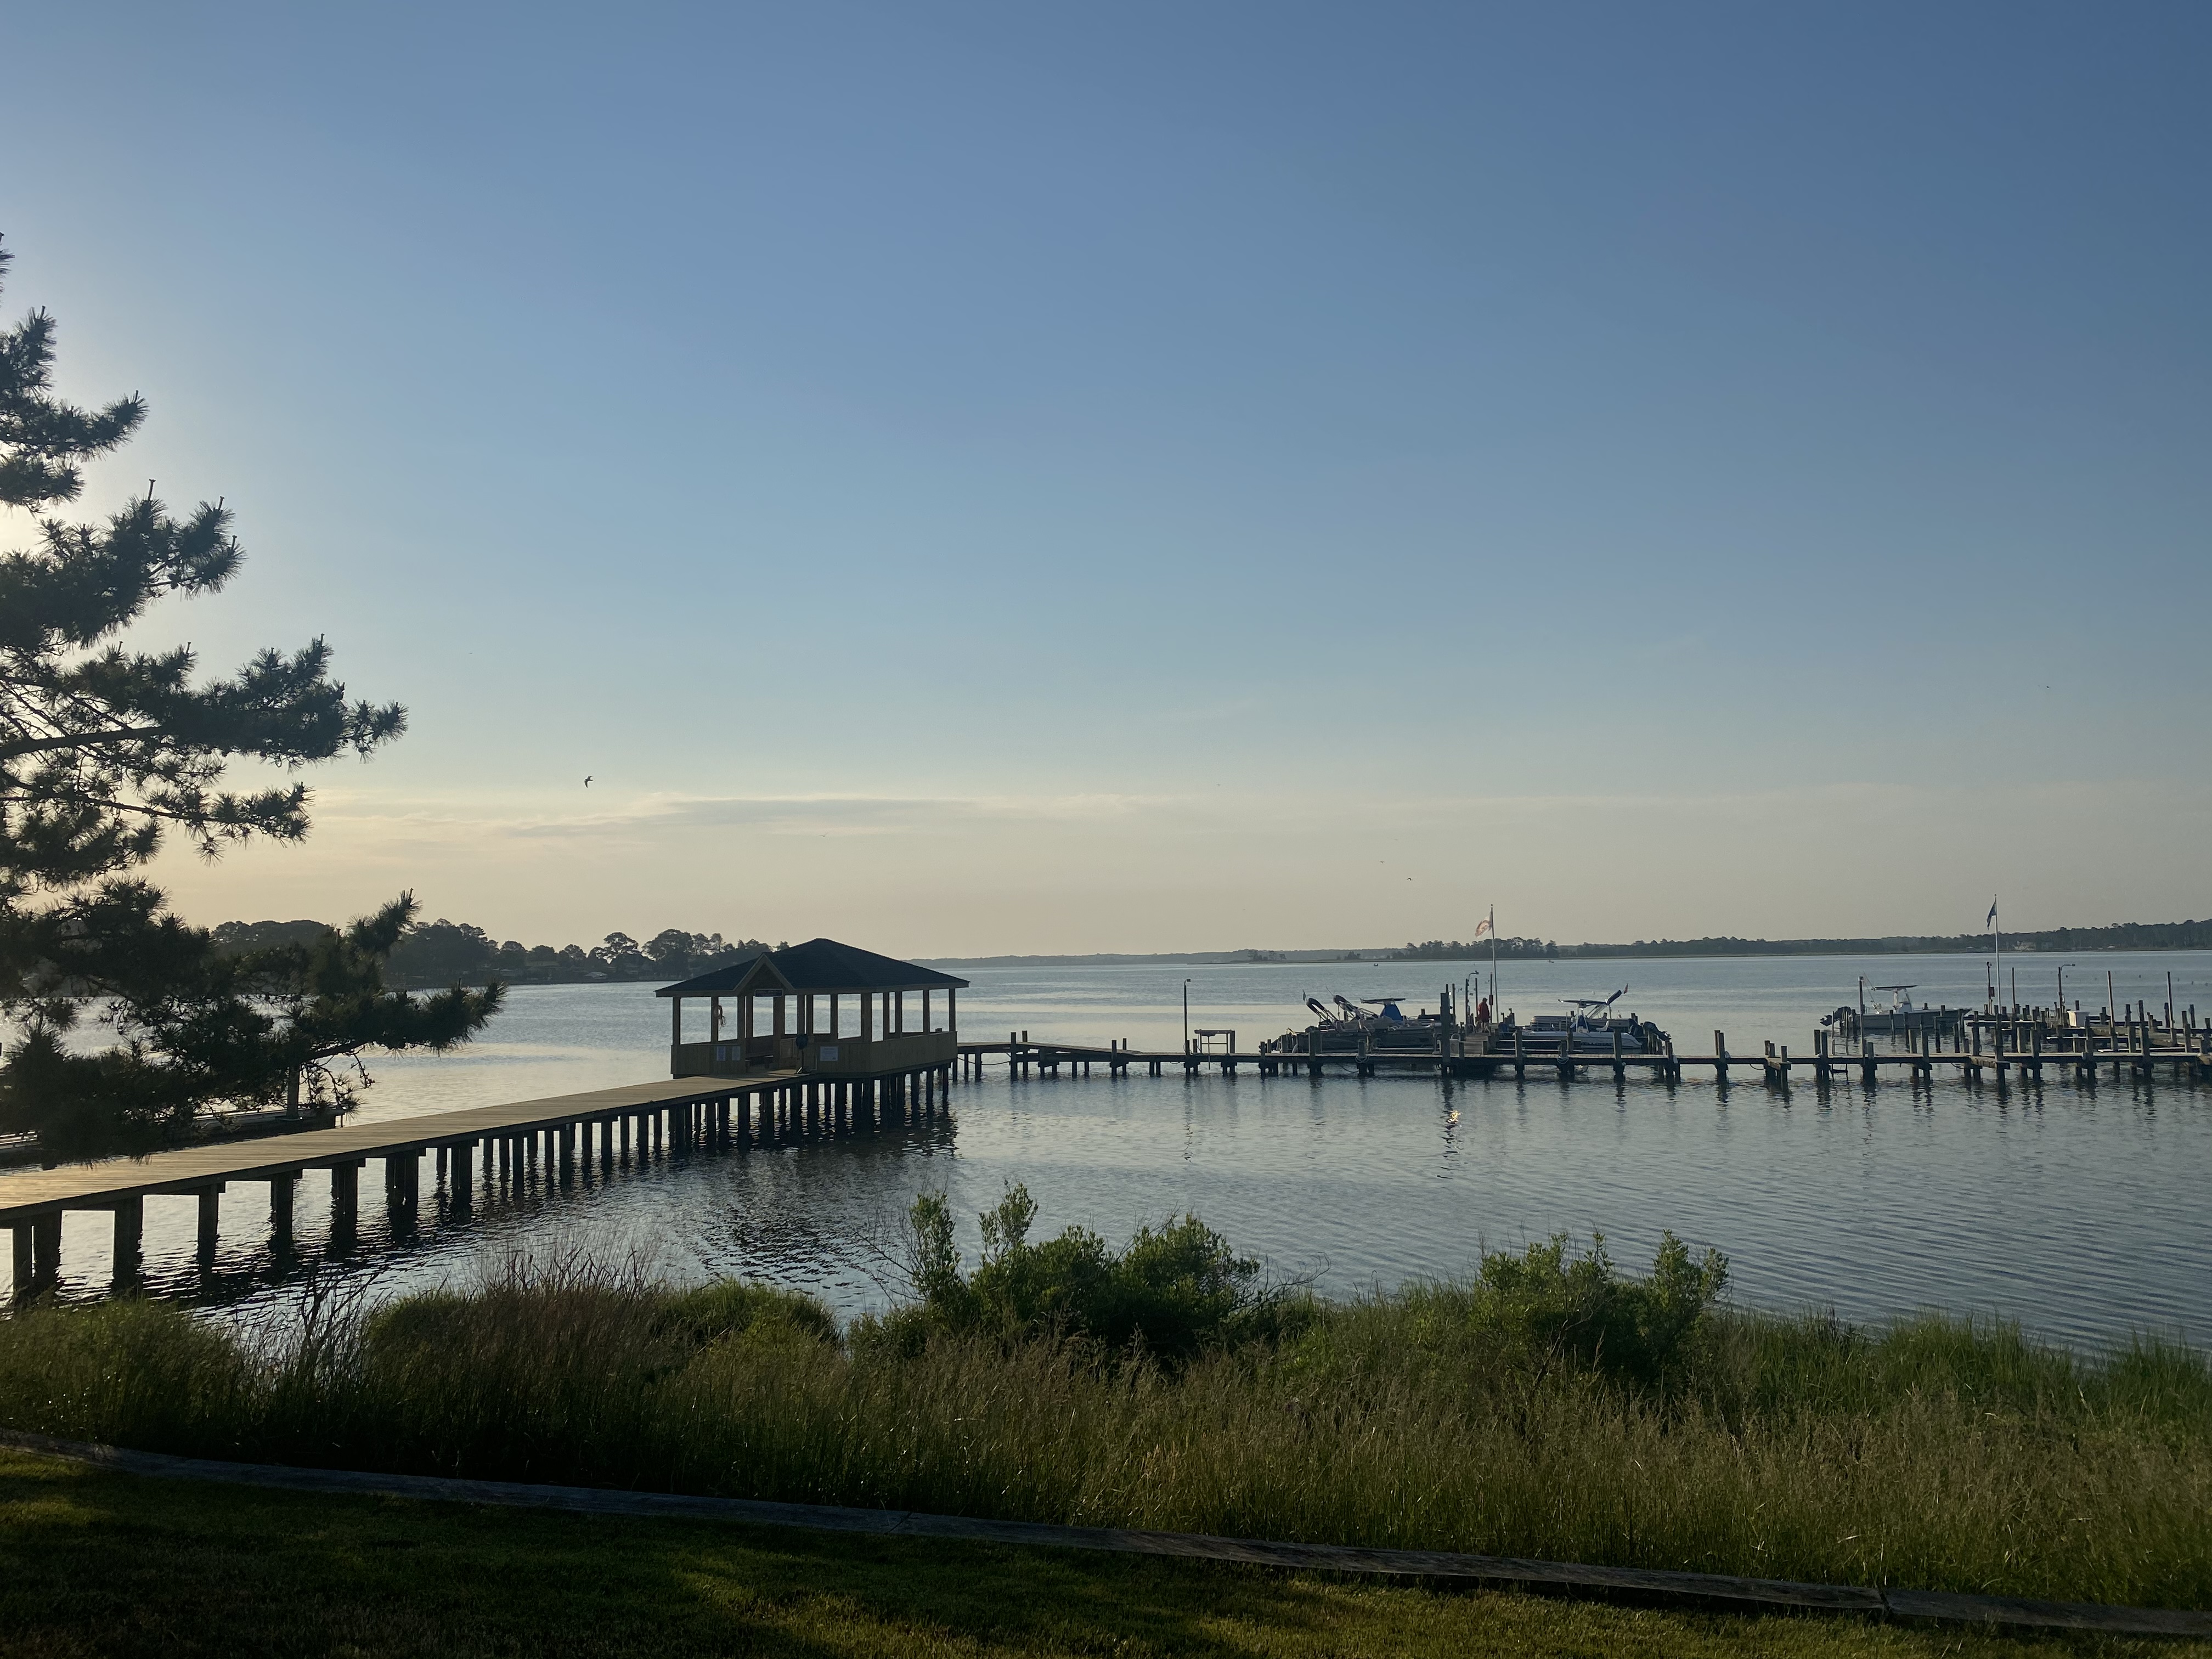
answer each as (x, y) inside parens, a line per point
(778, 996)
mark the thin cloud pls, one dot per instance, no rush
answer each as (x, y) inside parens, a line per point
(821, 815)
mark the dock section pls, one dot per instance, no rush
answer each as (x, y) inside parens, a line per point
(1990, 1048)
(677, 1115)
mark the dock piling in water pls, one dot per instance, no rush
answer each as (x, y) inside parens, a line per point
(210, 1197)
(130, 1234)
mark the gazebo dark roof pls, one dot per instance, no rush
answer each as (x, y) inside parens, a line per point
(717, 982)
(820, 964)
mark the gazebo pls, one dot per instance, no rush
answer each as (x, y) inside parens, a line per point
(831, 1011)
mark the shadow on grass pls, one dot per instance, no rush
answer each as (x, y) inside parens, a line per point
(92, 1562)
(96, 1562)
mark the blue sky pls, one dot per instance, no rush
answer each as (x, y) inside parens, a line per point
(1018, 477)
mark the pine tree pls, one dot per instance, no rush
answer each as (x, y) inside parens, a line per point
(107, 752)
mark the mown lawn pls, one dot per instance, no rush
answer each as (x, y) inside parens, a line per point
(92, 1562)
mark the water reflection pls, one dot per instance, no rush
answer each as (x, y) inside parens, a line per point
(2076, 1206)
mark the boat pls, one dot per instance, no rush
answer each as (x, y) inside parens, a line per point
(1903, 1014)
(1379, 1027)
(1369, 1025)
(1592, 1028)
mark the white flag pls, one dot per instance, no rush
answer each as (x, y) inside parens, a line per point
(1482, 929)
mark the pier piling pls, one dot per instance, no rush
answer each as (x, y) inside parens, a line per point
(345, 1203)
(210, 1197)
(130, 1238)
(46, 1251)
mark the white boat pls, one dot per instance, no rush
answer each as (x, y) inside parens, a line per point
(1592, 1028)
(1903, 1014)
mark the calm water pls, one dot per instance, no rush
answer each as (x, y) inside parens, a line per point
(2080, 1210)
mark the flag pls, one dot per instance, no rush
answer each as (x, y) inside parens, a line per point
(1991, 920)
(1483, 929)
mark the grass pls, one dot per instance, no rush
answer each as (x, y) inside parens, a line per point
(97, 1563)
(1552, 1407)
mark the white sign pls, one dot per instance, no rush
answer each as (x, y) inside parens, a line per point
(828, 1051)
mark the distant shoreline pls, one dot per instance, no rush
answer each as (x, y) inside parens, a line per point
(2083, 940)
(442, 953)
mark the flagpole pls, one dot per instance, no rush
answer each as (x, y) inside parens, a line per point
(1997, 951)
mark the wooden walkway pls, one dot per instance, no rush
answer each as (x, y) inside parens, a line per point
(676, 1114)
(2130, 1053)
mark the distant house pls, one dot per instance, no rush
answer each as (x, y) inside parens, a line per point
(824, 1008)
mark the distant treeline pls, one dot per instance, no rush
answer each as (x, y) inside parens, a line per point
(2119, 936)
(441, 953)
(1451, 950)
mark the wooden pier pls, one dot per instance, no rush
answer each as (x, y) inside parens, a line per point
(764, 1083)
(676, 1118)
(1993, 1051)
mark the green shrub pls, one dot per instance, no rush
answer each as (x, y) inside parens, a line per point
(1548, 1311)
(1170, 1292)
(732, 1308)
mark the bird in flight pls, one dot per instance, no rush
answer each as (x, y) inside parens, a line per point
(587, 780)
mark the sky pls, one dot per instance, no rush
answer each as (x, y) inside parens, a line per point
(970, 478)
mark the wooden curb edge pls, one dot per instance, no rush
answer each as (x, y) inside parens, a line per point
(1709, 1589)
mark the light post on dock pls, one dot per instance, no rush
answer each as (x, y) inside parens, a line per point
(1186, 1014)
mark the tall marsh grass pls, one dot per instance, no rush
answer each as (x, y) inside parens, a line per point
(1499, 1415)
